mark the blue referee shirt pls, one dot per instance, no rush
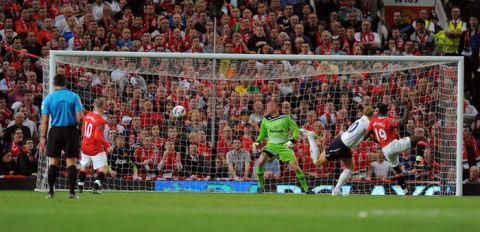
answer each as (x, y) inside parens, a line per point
(62, 106)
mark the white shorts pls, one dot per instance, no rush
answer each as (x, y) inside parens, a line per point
(99, 160)
(394, 148)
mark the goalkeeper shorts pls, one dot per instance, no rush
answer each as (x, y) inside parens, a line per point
(283, 152)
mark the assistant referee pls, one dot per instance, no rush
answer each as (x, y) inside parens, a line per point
(64, 108)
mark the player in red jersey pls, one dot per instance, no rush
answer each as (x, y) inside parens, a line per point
(384, 129)
(93, 146)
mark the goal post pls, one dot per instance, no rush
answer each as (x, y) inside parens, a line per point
(445, 78)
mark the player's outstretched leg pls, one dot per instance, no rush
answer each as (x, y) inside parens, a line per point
(260, 171)
(82, 176)
(321, 159)
(346, 174)
(314, 151)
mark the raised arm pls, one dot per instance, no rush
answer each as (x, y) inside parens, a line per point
(294, 128)
(263, 132)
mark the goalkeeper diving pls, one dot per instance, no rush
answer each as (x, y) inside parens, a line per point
(276, 127)
(340, 147)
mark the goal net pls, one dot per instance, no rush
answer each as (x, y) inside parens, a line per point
(225, 95)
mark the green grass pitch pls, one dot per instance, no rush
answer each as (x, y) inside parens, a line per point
(135, 212)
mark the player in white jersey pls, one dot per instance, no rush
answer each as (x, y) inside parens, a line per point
(340, 147)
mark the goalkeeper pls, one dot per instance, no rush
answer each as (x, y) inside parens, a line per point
(276, 128)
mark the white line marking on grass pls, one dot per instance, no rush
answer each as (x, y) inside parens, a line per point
(362, 214)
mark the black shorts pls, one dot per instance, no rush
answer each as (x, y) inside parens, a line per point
(337, 150)
(65, 139)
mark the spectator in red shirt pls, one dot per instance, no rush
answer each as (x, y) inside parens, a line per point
(107, 20)
(170, 164)
(176, 43)
(27, 159)
(311, 118)
(33, 85)
(5, 113)
(158, 140)
(16, 146)
(147, 157)
(223, 146)
(25, 24)
(247, 138)
(148, 117)
(204, 148)
(471, 151)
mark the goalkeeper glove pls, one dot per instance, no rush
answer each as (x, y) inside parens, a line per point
(289, 144)
(254, 147)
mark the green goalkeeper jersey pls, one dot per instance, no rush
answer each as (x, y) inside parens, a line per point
(277, 129)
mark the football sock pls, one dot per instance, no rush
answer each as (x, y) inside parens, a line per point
(301, 179)
(400, 178)
(81, 178)
(72, 177)
(99, 180)
(260, 171)
(343, 178)
(52, 177)
(313, 148)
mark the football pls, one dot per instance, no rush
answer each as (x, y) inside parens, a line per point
(179, 111)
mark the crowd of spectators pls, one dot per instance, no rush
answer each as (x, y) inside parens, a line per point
(149, 142)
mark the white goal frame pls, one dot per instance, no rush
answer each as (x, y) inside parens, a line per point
(459, 60)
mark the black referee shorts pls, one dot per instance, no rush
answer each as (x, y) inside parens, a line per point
(337, 150)
(65, 139)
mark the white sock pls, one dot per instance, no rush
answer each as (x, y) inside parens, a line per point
(343, 178)
(80, 183)
(313, 148)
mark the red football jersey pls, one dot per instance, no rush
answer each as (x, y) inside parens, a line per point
(93, 141)
(385, 129)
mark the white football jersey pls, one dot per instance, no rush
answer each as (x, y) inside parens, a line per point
(354, 135)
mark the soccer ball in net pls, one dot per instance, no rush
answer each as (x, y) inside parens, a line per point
(179, 111)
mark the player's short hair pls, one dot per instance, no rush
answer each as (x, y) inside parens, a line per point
(382, 108)
(99, 103)
(420, 21)
(368, 111)
(60, 80)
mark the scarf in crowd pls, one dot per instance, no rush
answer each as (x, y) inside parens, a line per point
(365, 38)
(325, 49)
(32, 112)
(77, 42)
(422, 39)
(150, 22)
(400, 44)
